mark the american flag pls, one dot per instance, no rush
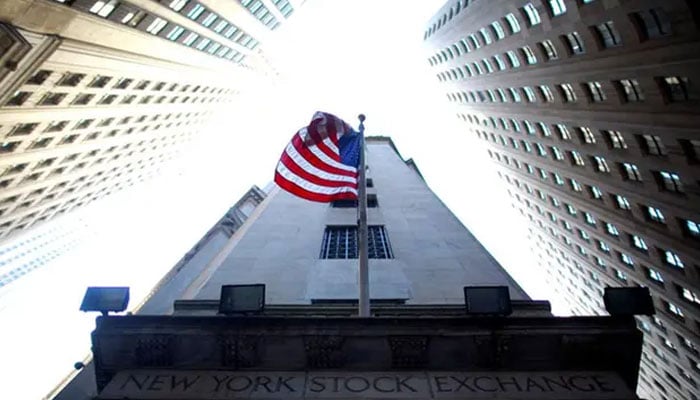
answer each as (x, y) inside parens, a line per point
(320, 163)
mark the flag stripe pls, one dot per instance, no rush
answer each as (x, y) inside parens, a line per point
(311, 187)
(317, 165)
(330, 161)
(326, 145)
(322, 150)
(290, 176)
(298, 147)
(307, 174)
(333, 147)
(305, 194)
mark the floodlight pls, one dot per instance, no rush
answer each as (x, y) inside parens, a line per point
(105, 299)
(243, 299)
(628, 301)
(487, 300)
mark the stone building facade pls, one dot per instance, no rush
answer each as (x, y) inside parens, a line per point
(308, 342)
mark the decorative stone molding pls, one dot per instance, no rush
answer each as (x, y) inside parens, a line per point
(324, 351)
(155, 351)
(408, 351)
(239, 351)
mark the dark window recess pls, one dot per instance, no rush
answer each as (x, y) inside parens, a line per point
(675, 88)
(652, 145)
(52, 99)
(107, 99)
(575, 43)
(56, 126)
(608, 35)
(23, 129)
(18, 98)
(341, 242)
(370, 182)
(371, 202)
(127, 14)
(37, 144)
(123, 83)
(100, 81)
(8, 147)
(39, 77)
(71, 80)
(652, 23)
(83, 99)
(83, 123)
(142, 85)
(691, 148)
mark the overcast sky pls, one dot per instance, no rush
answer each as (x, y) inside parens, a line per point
(342, 56)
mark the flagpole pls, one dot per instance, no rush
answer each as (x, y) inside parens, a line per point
(363, 275)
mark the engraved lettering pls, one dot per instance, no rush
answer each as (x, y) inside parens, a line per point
(184, 381)
(284, 382)
(336, 379)
(602, 385)
(132, 378)
(483, 389)
(243, 384)
(364, 385)
(386, 388)
(561, 383)
(512, 381)
(572, 382)
(157, 383)
(402, 383)
(533, 383)
(317, 384)
(462, 384)
(442, 386)
(232, 387)
(262, 381)
(219, 381)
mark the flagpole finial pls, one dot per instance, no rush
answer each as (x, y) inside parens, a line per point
(362, 118)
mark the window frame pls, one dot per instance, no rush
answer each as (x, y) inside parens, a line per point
(608, 35)
(596, 93)
(575, 44)
(568, 92)
(630, 90)
(375, 250)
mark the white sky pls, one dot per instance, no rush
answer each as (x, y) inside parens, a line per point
(342, 56)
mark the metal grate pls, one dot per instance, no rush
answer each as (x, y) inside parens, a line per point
(340, 242)
(371, 202)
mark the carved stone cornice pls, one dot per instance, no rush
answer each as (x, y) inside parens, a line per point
(409, 351)
(154, 350)
(239, 351)
(324, 351)
(367, 344)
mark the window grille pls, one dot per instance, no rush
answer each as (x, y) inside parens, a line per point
(341, 242)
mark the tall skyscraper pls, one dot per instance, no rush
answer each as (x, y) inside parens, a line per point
(96, 94)
(37, 248)
(590, 110)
